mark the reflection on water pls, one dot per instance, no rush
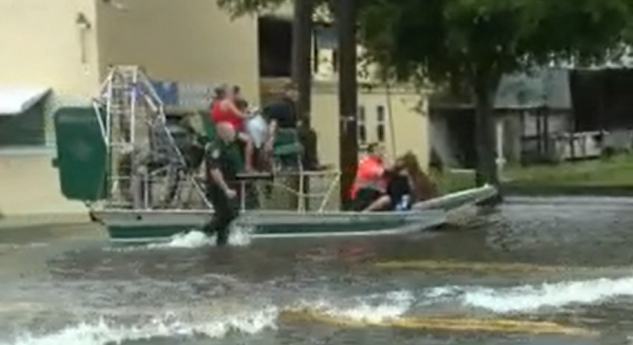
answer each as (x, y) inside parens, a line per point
(563, 265)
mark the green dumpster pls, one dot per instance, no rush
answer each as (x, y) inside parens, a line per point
(81, 154)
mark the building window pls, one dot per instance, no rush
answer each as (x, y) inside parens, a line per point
(362, 130)
(325, 38)
(381, 123)
(274, 47)
(23, 130)
(23, 127)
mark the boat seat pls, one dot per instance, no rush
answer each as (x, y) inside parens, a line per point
(287, 143)
(287, 149)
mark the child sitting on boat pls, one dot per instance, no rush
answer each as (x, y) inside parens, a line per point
(256, 128)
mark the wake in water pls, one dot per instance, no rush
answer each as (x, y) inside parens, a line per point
(530, 298)
(250, 317)
(240, 236)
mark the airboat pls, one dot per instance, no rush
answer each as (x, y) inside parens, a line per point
(138, 172)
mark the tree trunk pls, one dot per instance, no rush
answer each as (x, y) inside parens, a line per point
(345, 14)
(301, 61)
(485, 132)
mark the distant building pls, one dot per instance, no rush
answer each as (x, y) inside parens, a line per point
(544, 115)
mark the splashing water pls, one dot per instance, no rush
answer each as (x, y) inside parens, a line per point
(103, 332)
(371, 308)
(199, 322)
(243, 317)
(240, 236)
(531, 298)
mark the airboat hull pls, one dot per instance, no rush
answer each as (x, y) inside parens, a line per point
(452, 201)
(161, 225)
(137, 226)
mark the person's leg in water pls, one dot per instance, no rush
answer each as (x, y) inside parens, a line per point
(224, 212)
(223, 226)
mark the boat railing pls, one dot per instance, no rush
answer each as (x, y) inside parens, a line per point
(161, 188)
(302, 187)
(177, 189)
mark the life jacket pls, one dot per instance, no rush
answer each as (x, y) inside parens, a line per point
(369, 175)
(225, 115)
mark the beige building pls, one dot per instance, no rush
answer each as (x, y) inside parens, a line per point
(58, 51)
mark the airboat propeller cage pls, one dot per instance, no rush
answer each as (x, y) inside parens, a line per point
(141, 150)
(122, 151)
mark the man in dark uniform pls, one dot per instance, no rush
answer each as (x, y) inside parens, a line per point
(282, 114)
(222, 165)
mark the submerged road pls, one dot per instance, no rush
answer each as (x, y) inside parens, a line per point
(540, 271)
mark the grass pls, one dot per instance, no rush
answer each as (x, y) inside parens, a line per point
(451, 181)
(616, 171)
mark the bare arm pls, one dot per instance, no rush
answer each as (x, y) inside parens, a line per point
(270, 139)
(272, 129)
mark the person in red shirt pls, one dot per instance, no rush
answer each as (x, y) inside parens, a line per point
(218, 95)
(224, 109)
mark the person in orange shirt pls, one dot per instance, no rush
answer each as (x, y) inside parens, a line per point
(408, 184)
(370, 183)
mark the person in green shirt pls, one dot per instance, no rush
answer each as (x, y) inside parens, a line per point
(222, 166)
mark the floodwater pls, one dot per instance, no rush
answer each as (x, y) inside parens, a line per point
(540, 271)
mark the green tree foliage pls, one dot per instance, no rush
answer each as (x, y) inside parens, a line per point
(238, 8)
(474, 42)
(470, 44)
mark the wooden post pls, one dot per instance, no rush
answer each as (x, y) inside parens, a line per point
(345, 14)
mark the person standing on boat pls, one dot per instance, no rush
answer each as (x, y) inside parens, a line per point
(222, 166)
(370, 183)
(282, 114)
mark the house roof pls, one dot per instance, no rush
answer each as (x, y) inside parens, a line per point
(543, 87)
(15, 100)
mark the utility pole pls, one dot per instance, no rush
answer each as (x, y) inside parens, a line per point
(345, 15)
(302, 27)
(301, 61)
